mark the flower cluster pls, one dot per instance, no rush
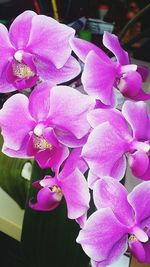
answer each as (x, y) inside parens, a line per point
(71, 132)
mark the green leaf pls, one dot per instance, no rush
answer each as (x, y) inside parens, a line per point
(11, 179)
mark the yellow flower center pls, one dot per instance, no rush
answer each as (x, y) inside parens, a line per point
(132, 238)
(56, 189)
(22, 71)
(41, 143)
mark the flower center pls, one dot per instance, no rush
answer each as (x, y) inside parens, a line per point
(132, 238)
(143, 146)
(56, 189)
(41, 143)
(21, 70)
(138, 234)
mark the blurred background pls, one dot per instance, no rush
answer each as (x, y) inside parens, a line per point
(90, 18)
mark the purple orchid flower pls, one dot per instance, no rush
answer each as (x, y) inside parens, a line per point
(122, 219)
(101, 73)
(116, 135)
(36, 47)
(71, 184)
(43, 125)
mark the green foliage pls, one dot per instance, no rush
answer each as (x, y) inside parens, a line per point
(11, 180)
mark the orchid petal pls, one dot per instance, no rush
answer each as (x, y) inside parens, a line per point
(92, 178)
(118, 249)
(139, 163)
(48, 181)
(103, 149)
(117, 172)
(147, 250)
(5, 86)
(55, 44)
(13, 116)
(135, 113)
(71, 162)
(98, 78)
(100, 234)
(21, 83)
(137, 250)
(119, 168)
(68, 139)
(46, 200)
(21, 153)
(43, 158)
(112, 43)
(146, 175)
(51, 158)
(140, 201)
(48, 71)
(82, 48)
(130, 84)
(39, 101)
(113, 116)
(128, 68)
(141, 96)
(110, 193)
(6, 48)
(81, 220)
(59, 152)
(143, 70)
(72, 118)
(76, 193)
(20, 29)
